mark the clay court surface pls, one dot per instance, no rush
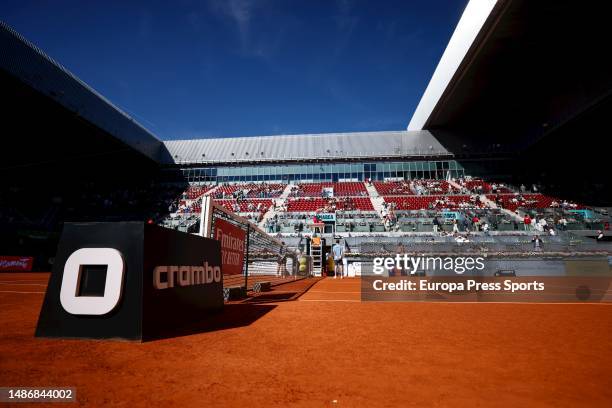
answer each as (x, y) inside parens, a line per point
(325, 348)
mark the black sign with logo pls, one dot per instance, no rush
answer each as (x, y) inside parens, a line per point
(129, 280)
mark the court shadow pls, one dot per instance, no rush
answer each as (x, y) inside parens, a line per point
(285, 292)
(232, 316)
(272, 297)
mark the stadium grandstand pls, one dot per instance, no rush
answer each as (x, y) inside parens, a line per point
(489, 158)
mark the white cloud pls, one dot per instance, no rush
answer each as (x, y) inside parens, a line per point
(240, 12)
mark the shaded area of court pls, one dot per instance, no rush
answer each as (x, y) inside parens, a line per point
(327, 346)
(250, 281)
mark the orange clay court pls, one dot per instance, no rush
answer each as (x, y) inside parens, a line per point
(325, 348)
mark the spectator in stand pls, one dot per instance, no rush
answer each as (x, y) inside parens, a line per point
(475, 222)
(436, 224)
(562, 224)
(537, 243)
(527, 222)
(536, 224)
(498, 201)
(466, 223)
(455, 226)
(485, 228)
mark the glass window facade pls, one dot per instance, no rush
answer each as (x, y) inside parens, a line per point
(325, 172)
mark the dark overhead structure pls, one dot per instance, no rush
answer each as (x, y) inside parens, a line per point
(535, 79)
(534, 66)
(51, 118)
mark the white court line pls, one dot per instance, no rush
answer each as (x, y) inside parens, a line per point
(324, 291)
(274, 292)
(333, 300)
(450, 303)
(15, 291)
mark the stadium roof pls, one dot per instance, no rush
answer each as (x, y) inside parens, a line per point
(470, 25)
(327, 146)
(519, 68)
(512, 70)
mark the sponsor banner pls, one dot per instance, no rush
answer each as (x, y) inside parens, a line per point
(327, 217)
(584, 213)
(233, 242)
(451, 215)
(16, 263)
(129, 280)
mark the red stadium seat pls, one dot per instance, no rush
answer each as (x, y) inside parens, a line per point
(427, 186)
(194, 192)
(515, 201)
(254, 190)
(327, 205)
(341, 189)
(248, 205)
(424, 202)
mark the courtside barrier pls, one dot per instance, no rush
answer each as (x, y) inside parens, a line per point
(249, 254)
(129, 280)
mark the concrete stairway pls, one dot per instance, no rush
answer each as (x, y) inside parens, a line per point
(375, 198)
(270, 213)
(211, 191)
(286, 191)
(491, 204)
(456, 185)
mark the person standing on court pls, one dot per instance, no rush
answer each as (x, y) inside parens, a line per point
(281, 268)
(338, 251)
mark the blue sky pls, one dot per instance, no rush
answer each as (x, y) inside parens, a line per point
(195, 69)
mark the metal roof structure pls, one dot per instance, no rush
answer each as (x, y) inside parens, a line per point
(307, 147)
